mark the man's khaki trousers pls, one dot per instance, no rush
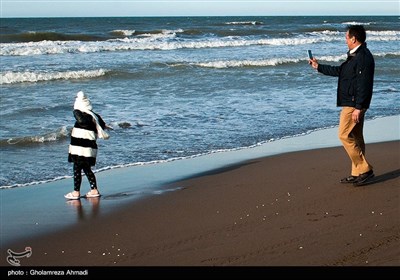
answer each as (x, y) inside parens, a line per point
(351, 136)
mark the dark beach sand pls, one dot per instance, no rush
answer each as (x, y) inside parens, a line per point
(284, 210)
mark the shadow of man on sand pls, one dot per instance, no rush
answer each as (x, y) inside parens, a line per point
(384, 177)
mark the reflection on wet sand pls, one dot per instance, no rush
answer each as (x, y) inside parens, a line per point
(84, 212)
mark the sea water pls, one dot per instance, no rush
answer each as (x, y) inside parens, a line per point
(174, 87)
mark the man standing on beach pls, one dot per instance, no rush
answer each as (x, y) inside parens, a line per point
(354, 94)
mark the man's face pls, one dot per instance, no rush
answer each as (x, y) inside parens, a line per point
(350, 41)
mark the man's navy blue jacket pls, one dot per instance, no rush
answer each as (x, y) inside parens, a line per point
(356, 78)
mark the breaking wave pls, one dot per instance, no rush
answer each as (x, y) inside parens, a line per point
(168, 40)
(10, 77)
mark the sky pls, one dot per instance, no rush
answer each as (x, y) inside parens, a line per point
(100, 8)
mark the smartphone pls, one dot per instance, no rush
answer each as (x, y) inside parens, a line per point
(310, 56)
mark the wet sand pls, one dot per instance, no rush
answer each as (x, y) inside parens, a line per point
(277, 211)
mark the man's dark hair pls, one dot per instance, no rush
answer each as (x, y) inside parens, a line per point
(357, 31)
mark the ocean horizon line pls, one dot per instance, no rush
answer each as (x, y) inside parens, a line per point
(201, 16)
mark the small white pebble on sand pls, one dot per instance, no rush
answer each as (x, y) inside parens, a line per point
(288, 194)
(276, 199)
(308, 188)
(36, 223)
(62, 251)
(326, 213)
(116, 234)
(263, 219)
(373, 212)
(381, 213)
(288, 200)
(248, 215)
(119, 249)
(366, 261)
(262, 205)
(45, 253)
(256, 206)
(301, 247)
(276, 213)
(89, 252)
(104, 254)
(217, 212)
(360, 234)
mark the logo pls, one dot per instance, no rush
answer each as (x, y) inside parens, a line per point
(13, 257)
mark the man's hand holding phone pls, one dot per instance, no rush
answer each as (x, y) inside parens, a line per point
(311, 60)
(310, 56)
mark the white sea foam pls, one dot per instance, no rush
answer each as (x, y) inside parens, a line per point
(124, 32)
(357, 23)
(244, 63)
(167, 40)
(60, 133)
(220, 64)
(10, 77)
(244, 23)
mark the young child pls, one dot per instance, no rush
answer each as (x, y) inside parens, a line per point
(83, 147)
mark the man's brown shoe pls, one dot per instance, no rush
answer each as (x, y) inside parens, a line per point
(348, 180)
(363, 178)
